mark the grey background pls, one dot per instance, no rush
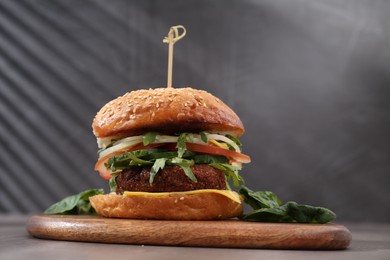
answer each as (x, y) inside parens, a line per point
(309, 79)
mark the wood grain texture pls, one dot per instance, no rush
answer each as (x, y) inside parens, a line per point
(227, 233)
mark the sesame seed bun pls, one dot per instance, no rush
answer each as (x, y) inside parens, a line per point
(168, 111)
(205, 206)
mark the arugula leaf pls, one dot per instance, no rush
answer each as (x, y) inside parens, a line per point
(181, 143)
(149, 138)
(135, 160)
(181, 161)
(123, 161)
(268, 208)
(182, 158)
(159, 164)
(231, 173)
(185, 165)
(74, 204)
(146, 152)
(187, 170)
(234, 139)
(158, 155)
(208, 159)
(112, 182)
(203, 136)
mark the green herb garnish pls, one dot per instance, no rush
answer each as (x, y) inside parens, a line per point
(181, 143)
(231, 173)
(124, 161)
(203, 136)
(157, 158)
(158, 165)
(185, 165)
(149, 138)
(208, 159)
(112, 182)
(234, 139)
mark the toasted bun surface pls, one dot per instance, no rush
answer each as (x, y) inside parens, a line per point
(165, 110)
(204, 206)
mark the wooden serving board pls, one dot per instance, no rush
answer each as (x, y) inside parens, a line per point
(220, 233)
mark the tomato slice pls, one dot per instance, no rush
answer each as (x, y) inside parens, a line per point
(213, 150)
(199, 148)
(106, 173)
(101, 168)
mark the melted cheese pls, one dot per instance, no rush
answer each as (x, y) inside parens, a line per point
(227, 193)
(220, 145)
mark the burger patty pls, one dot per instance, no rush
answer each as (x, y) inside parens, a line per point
(171, 178)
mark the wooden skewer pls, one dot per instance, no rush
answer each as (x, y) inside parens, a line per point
(171, 39)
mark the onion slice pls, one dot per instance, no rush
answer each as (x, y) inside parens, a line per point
(134, 140)
(120, 146)
(224, 139)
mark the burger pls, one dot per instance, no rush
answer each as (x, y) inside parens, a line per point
(169, 153)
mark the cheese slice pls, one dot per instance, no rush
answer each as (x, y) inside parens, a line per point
(220, 145)
(227, 193)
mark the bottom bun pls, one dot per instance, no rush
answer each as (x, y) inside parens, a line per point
(173, 206)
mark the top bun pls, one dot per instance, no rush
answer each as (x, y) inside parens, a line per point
(168, 111)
